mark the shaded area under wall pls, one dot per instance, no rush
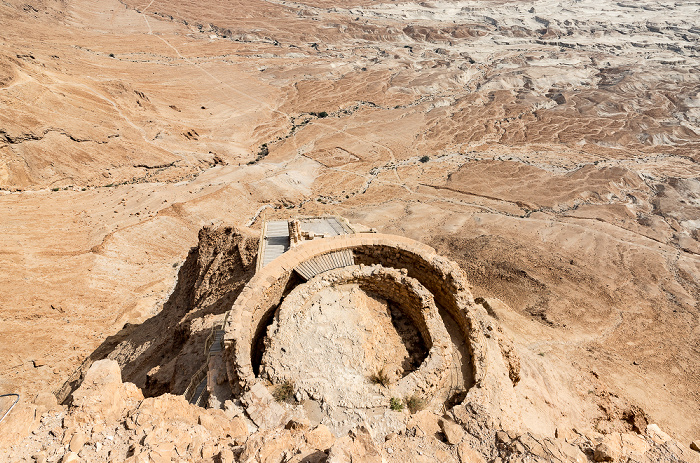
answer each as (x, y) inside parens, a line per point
(161, 354)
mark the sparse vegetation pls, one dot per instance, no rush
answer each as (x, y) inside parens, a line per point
(55, 189)
(284, 392)
(395, 404)
(322, 114)
(424, 159)
(415, 403)
(380, 378)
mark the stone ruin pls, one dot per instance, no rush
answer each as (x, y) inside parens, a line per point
(342, 326)
(338, 328)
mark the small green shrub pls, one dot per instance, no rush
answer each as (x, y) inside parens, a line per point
(395, 404)
(55, 189)
(380, 378)
(284, 392)
(424, 159)
(415, 403)
(322, 114)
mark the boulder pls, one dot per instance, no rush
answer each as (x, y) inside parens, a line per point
(320, 438)
(262, 408)
(469, 455)
(657, 435)
(633, 444)
(226, 456)
(425, 423)
(603, 452)
(356, 447)
(272, 446)
(453, 432)
(102, 392)
(77, 442)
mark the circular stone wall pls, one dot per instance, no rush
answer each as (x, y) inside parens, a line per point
(255, 306)
(332, 333)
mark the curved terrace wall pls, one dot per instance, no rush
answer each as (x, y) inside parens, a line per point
(263, 293)
(412, 298)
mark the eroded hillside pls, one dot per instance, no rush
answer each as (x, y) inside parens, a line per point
(550, 148)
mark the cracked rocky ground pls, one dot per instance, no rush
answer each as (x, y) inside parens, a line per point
(552, 149)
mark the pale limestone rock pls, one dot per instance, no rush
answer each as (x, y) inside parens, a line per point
(77, 442)
(208, 450)
(356, 447)
(632, 443)
(320, 438)
(70, 457)
(162, 453)
(218, 424)
(226, 456)
(468, 454)
(425, 422)
(102, 393)
(238, 430)
(268, 447)
(656, 434)
(613, 441)
(262, 408)
(453, 431)
(695, 445)
(167, 408)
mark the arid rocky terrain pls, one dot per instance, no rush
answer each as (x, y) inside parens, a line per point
(551, 149)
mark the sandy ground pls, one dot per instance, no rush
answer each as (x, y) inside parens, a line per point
(551, 148)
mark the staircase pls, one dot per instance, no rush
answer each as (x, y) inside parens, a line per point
(325, 262)
(197, 392)
(275, 242)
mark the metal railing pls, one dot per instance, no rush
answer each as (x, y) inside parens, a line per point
(11, 406)
(199, 376)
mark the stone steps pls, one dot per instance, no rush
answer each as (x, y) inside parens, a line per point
(325, 262)
(276, 241)
(198, 392)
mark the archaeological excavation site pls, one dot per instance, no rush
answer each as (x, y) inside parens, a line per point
(349, 231)
(352, 327)
(319, 340)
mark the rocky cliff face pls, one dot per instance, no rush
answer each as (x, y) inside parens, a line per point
(161, 354)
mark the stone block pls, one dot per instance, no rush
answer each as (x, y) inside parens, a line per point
(320, 438)
(469, 455)
(453, 432)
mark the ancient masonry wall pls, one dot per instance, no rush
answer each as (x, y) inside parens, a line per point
(414, 300)
(443, 278)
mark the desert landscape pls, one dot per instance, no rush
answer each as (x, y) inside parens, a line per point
(549, 149)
